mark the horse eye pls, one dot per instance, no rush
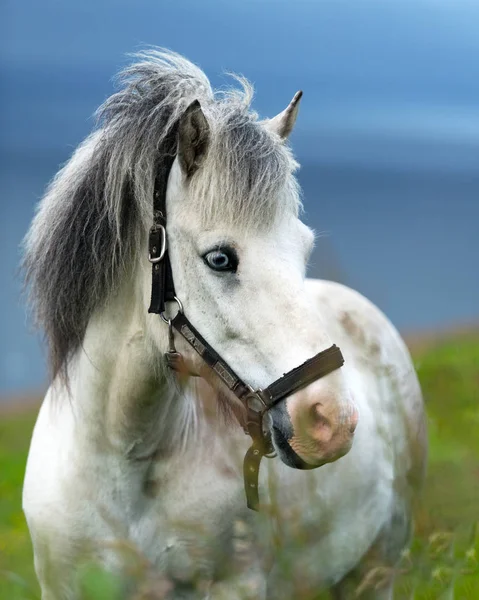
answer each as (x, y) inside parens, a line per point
(222, 259)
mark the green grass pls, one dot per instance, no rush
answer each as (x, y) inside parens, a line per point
(449, 376)
(443, 561)
(17, 580)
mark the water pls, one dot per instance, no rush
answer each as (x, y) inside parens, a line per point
(408, 240)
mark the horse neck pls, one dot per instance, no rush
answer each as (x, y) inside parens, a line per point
(120, 387)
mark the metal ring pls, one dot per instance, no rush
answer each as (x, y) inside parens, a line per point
(273, 454)
(180, 310)
(256, 395)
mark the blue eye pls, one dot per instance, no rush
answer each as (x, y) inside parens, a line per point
(222, 259)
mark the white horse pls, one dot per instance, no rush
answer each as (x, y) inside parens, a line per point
(132, 464)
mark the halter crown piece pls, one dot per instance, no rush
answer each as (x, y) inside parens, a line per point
(256, 402)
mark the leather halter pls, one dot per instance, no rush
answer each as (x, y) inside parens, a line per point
(256, 402)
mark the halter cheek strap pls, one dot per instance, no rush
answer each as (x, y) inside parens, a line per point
(256, 402)
(162, 286)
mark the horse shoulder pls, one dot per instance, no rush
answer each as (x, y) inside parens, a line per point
(375, 345)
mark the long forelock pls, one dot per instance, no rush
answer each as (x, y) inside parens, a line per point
(91, 223)
(248, 176)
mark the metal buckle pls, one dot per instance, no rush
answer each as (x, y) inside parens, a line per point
(180, 310)
(257, 398)
(159, 258)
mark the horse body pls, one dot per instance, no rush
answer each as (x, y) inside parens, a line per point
(142, 470)
(87, 484)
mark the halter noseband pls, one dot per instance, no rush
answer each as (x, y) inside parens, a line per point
(256, 402)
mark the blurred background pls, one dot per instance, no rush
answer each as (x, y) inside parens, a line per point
(388, 134)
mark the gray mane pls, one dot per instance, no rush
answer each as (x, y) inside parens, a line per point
(91, 223)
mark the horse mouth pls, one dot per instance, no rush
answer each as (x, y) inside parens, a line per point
(287, 454)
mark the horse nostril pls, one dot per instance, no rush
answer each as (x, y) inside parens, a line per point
(318, 416)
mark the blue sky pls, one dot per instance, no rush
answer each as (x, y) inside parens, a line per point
(388, 68)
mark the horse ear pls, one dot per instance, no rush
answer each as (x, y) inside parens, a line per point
(283, 123)
(193, 138)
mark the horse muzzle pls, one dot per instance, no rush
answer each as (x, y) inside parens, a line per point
(311, 429)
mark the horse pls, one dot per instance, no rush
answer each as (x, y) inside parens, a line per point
(136, 466)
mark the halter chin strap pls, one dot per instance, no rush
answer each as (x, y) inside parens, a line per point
(256, 402)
